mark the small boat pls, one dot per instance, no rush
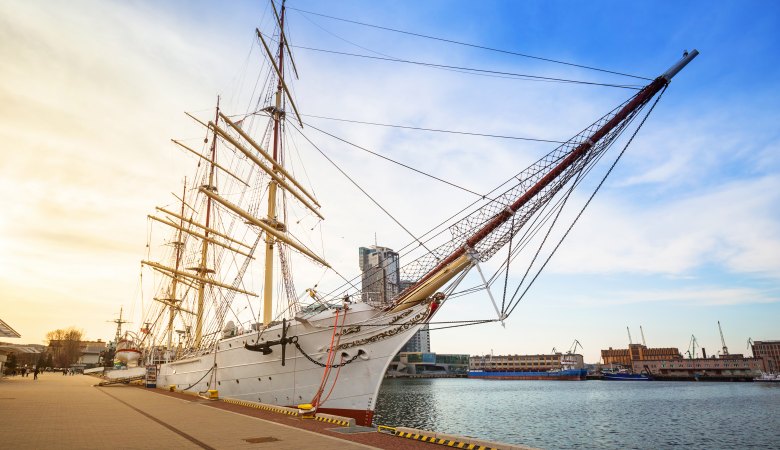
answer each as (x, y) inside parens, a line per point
(768, 377)
(127, 351)
(625, 376)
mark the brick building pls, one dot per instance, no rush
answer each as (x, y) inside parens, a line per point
(637, 352)
(728, 368)
(520, 363)
(769, 352)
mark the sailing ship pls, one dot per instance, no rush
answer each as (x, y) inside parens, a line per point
(327, 349)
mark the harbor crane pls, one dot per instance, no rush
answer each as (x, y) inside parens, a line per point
(630, 342)
(642, 332)
(723, 341)
(574, 347)
(692, 347)
(750, 345)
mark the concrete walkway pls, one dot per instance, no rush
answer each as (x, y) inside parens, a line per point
(58, 411)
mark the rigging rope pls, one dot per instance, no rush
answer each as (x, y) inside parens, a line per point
(433, 233)
(433, 130)
(201, 378)
(514, 302)
(331, 354)
(508, 259)
(521, 76)
(395, 162)
(475, 322)
(481, 47)
(363, 190)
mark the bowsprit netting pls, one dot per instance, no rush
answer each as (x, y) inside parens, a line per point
(465, 228)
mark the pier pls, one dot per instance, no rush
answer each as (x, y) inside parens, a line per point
(58, 411)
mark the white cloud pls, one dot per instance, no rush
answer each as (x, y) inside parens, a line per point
(91, 99)
(695, 296)
(735, 227)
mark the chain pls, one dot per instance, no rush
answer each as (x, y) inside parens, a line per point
(334, 366)
(201, 379)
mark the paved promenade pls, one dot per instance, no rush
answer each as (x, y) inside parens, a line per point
(58, 411)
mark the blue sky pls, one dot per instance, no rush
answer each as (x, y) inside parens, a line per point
(685, 233)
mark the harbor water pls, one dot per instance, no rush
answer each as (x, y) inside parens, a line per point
(589, 414)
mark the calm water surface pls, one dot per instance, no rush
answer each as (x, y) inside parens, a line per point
(589, 414)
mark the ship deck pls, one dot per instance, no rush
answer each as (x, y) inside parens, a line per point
(58, 411)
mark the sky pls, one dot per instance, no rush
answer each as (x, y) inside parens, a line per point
(685, 233)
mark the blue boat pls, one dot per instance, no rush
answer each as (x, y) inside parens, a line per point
(625, 376)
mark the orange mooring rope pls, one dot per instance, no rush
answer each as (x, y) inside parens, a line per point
(316, 400)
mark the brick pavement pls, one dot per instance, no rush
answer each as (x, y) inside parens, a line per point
(67, 412)
(58, 411)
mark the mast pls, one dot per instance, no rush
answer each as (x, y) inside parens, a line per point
(202, 269)
(271, 217)
(118, 323)
(460, 258)
(172, 298)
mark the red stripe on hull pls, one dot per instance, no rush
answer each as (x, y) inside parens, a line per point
(131, 350)
(362, 417)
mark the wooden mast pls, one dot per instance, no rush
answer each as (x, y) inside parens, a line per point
(174, 282)
(271, 217)
(202, 269)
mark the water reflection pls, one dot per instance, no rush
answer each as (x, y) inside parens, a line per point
(588, 414)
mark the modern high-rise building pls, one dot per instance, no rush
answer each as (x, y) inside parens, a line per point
(420, 342)
(381, 283)
(381, 280)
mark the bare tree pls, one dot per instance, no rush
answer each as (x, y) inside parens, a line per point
(64, 344)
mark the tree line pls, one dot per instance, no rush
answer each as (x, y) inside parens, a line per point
(64, 350)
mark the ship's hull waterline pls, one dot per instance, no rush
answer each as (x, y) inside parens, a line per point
(375, 337)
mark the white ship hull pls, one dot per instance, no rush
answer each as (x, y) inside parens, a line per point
(368, 335)
(127, 352)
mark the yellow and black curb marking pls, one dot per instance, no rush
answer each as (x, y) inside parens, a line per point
(260, 406)
(433, 439)
(343, 423)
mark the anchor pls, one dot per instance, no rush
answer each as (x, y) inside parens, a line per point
(265, 347)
